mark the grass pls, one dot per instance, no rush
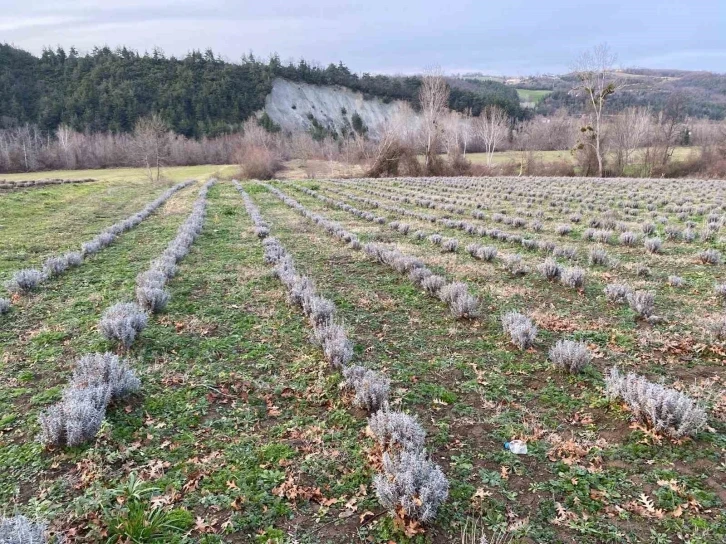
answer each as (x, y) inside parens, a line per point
(172, 173)
(501, 157)
(37, 223)
(237, 402)
(532, 95)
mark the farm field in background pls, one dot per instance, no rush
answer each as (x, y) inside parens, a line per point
(500, 157)
(242, 431)
(532, 96)
(172, 173)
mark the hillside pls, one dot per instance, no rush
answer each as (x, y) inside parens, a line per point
(335, 109)
(199, 95)
(704, 92)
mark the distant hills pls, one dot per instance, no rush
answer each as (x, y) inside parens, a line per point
(704, 93)
(198, 95)
(201, 94)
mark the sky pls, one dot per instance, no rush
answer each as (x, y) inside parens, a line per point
(509, 37)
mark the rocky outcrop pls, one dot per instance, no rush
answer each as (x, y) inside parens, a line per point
(300, 106)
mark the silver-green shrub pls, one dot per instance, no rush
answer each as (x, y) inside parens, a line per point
(549, 269)
(333, 339)
(371, 388)
(617, 292)
(433, 283)
(25, 280)
(522, 332)
(122, 322)
(20, 530)
(461, 303)
(396, 431)
(709, 256)
(450, 245)
(666, 410)
(653, 245)
(105, 370)
(642, 303)
(411, 481)
(76, 419)
(570, 355)
(573, 277)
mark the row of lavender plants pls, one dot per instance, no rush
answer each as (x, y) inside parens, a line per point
(640, 301)
(455, 294)
(667, 410)
(28, 279)
(441, 196)
(569, 276)
(603, 229)
(408, 479)
(123, 321)
(101, 379)
(633, 198)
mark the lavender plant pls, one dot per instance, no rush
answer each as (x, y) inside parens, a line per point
(461, 303)
(653, 245)
(433, 283)
(522, 332)
(642, 303)
(514, 264)
(371, 388)
(76, 419)
(105, 370)
(397, 431)
(716, 328)
(570, 355)
(598, 256)
(666, 410)
(122, 322)
(337, 349)
(709, 256)
(20, 530)
(550, 269)
(617, 292)
(411, 481)
(573, 277)
(24, 281)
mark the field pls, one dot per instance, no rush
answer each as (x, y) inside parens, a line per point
(501, 157)
(243, 430)
(532, 96)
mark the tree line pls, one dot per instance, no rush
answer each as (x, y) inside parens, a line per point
(198, 95)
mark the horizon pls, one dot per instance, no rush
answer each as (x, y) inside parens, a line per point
(518, 39)
(457, 72)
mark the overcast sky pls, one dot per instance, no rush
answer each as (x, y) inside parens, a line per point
(509, 37)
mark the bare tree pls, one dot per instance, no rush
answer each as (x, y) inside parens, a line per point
(525, 144)
(434, 100)
(629, 131)
(670, 127)
(491, 127)
(397, 138)
(451, 124)
(151, 143)
(596, 81)
(457, 132)
(466, 129)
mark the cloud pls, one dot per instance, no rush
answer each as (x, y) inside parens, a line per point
(514, 38)
(29, 23)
